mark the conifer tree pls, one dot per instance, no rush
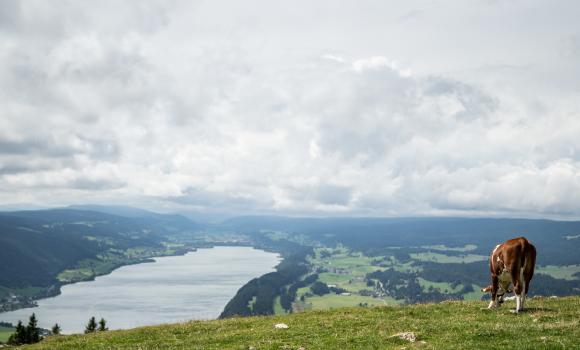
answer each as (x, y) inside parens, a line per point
(91, 326)
(32, 330)
(19, 336)
(55, 329)
(103, 325)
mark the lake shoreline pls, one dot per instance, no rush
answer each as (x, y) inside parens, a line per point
(29, 302)
(192, 283)
(54, 290)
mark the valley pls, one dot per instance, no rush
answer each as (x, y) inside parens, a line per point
(368, 262)
(327, 262)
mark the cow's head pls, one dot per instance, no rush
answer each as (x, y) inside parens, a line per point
(500, 292)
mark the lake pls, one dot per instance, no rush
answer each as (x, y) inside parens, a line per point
(196, 285)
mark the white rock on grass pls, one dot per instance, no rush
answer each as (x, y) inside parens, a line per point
(409, 336)
(281, 326)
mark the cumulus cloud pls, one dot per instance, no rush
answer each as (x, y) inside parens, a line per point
(338, 110)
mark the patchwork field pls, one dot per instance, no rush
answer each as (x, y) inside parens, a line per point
(448, 259)
(345, 270)
(443, 287)
(348, 270)
(466, 248)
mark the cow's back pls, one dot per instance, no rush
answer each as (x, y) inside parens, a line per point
(514, 252)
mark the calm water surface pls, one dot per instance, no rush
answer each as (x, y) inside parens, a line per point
(172, 289)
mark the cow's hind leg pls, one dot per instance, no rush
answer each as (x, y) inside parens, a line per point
(517, 280)
(523, 284)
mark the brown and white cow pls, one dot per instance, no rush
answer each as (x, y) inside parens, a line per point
(511, 262)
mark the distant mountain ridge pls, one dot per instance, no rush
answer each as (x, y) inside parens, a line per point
(119, 210)
(173, 221)
(376, 233)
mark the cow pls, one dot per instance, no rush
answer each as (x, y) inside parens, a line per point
(511, 262)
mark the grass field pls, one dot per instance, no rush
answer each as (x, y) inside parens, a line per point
(29, 291)
(475, 295)
(443, 287)
(547, 324)
(356, 286)
(334, 278)
(5, 333)
(448, 259)
(466, 248)
(344, 260)
(278, 309)
(392, 263)
(560, 272)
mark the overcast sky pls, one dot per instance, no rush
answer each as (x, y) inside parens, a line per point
(375, 108)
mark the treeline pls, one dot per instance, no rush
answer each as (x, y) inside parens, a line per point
(31, 333)
(465, 273)
(547, 285)
(257, 296)
(289, 294)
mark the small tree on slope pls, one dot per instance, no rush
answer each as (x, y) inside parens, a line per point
(103, 325)
(19, 336)
(32, 330)
(91, 326)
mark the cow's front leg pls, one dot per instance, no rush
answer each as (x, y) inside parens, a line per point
(494, 285)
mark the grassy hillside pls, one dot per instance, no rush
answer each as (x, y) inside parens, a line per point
(548, 323)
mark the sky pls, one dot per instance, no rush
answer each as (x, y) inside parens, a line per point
(321, 108)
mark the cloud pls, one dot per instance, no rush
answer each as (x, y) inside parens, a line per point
(181, 105)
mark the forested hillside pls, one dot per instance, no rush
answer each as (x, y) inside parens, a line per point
(43, 249)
